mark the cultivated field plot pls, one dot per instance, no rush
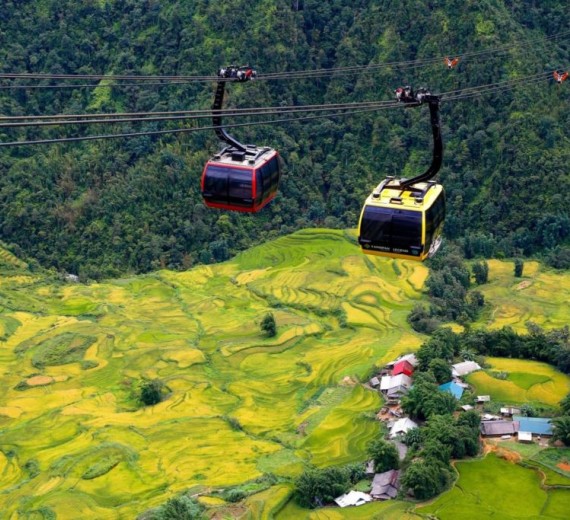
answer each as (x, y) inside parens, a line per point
(495, 488)
(526, 381)
(541, 296)
(74, 441)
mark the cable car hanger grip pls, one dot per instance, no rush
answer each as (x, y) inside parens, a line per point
(406, 95)
(231, 73)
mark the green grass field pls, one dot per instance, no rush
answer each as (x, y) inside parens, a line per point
(241, 405)
(541, 296)
(495, 488)
(74, 443)
(527, 382)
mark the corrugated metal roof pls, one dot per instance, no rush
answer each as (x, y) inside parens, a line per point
(535, 425)
(453, 388)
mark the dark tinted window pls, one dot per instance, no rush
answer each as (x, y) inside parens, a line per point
(240, 186)
(392, 227)
(435, 216)
(216, 184)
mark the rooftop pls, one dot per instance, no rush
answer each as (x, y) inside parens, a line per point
(499, 427)
(534, 425)
(464, 368)
(453, 388)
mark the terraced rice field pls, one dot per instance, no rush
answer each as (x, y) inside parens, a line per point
(74, 441)
(527, 381)
(495, 488)
(541, 296)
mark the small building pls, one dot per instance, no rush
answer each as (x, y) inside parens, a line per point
(499, 428)
(385, 485)
(467, 407)
(524, 437)
(410, 358)
(395, 386)
(490, 417)
(464, 368)
(403, 367)
(483, 399)
(353, 498)
(453, 388)
(401, 427)
(534, 425)
(508, 411)
(374, 382)
(369, 468)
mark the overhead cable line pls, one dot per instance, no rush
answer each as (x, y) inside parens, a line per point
(196, 129)
(149, 117)
(13, 121)
(123, 117)
(280, 75)
(448, 96)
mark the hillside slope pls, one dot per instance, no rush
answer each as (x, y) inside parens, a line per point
(106, 208)
(241, 406)
(73, 438)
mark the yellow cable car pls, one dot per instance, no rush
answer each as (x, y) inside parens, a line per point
(403, 224)
(403, 218)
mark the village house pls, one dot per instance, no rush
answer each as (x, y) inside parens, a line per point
(353, 498)
(385, 485)
(509, 411)
(534, 425)
(395, 386)
(453, 388)
(499, 428)
(403, 367)
(401, 427)
(464, 368)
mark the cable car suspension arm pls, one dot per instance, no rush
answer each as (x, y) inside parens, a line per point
(231, 73)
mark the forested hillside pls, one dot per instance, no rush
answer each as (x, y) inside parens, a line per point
(100, 208)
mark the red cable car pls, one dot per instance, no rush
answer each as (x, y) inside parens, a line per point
(240, 177)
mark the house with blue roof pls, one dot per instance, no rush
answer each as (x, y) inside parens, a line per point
(534, 425)
(453, 388)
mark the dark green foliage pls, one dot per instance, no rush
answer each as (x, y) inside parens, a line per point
(103, 207)
(443, 344)
(413, 438)
(551, 347)
(481, 272)
(565, 405)
(151, 392)
(268, 325)
(519, 267)
(461, 438)
(317, 487)
(441, 370)
(527, 410)
(559, 257)
(426, 478)
(32, 468)
(425, 399)
(384, 454)
(421, 320)
(179, 508)
(235, 495)
(561, 427)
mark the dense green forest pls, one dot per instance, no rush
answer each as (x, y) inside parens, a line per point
(101, 208)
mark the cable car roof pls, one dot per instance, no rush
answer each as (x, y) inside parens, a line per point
(253, 157)
(422, 194)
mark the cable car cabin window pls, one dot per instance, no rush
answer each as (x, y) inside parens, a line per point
(435, 216)
(273, 166)
(216, 184)
(392, 227)
(240, 190)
